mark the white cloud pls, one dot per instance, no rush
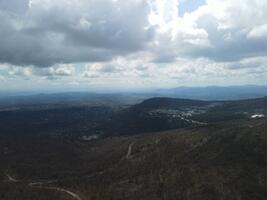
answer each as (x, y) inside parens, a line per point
(217, 30)
(56, 71)
(101, 69)
(20, 71)
(258, 32)
(61, 70)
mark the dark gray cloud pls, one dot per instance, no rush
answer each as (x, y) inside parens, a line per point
(43, 33)
(14, 6)
(49, 32)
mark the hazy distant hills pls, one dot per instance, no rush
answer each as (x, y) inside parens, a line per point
(169, 103)
(216, 93)
(72, 99)
(100, 118)
(130, 98)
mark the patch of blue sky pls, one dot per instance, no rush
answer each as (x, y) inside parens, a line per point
(188, 6)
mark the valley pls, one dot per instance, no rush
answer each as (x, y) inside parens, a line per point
(161, 148)
(155, 114)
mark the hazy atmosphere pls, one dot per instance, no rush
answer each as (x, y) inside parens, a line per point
(131, 44)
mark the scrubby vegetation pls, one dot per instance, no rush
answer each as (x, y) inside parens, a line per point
(223, 161)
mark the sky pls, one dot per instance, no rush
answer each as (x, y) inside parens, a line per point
(131, 44)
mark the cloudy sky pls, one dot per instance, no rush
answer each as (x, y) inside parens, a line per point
(123, 44)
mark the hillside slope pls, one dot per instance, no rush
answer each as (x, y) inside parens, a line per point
(225, 161)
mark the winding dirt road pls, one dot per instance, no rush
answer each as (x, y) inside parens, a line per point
(40, 186)
(72, 194)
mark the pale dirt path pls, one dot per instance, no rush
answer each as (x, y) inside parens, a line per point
(39, 185)
(70, 193)
(128, 155)
(11, 179)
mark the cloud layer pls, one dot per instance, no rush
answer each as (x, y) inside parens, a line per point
(147, 41)
(47, 32)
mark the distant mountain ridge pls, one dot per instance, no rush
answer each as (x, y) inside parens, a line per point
(157, 114)
(165, 102)
(210, 93)
(216, 92)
